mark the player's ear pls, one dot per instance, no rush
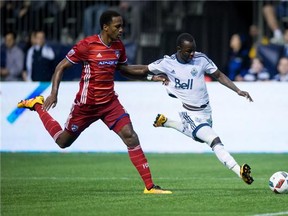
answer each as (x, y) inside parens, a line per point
(178, 48)
(105, 27)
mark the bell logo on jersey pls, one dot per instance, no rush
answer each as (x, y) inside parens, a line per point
(184, 85)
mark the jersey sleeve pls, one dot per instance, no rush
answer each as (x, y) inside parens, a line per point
(209, 66)
(157, 66)
(79, 52)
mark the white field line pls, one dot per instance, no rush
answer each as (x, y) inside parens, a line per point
(272, 214)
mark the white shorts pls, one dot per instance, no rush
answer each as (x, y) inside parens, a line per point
(194, 120)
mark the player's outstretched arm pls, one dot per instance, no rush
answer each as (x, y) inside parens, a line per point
(51, 100)
(224, 80)
(141, 72)
(138, 72)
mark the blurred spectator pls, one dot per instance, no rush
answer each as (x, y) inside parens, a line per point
(273, 11)
(12, 67)
(257, 71)
(8, 15)
(27, 41)
(271, 53)
(255, 40)
(129, 10)
(282, 68)
(24, 17)
(40, 60)
(238, 62)
(26, 44)
(91, 16)
(34, 9)
(285, 47)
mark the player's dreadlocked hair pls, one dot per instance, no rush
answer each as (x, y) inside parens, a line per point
(185, 37)
(106, 17)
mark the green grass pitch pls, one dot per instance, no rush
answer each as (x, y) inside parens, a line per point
(107, 184)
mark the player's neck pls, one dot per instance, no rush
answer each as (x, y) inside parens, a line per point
(106, 40)
(179, 59)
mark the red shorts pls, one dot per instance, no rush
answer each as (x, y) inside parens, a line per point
(81, 116)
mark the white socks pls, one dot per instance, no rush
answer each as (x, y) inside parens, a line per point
(208, 135)
(225, 158)
(178, 126)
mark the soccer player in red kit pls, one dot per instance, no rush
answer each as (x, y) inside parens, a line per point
(96, 99)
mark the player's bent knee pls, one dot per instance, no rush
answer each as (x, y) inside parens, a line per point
(131, 139)
(63, 145)
(215, 142)
(129, 136)
(65, 140)
(206, 134)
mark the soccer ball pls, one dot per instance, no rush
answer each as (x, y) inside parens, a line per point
(278, 182)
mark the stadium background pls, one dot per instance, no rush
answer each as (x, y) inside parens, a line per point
(150, 31)
(151, 26)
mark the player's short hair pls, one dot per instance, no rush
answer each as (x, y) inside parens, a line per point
(186, 37)
(106, 17)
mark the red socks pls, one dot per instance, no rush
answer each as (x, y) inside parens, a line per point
(52, 126)
(139, 160)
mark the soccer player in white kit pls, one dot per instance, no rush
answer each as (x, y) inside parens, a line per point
(185, 71)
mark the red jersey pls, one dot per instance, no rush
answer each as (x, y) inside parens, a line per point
(99, 63)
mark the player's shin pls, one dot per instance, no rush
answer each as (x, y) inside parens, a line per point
(225, 158)
(139, 160)
(207, 134)
(52, 126)
(179, 127)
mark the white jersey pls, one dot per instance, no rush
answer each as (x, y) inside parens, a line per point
(187, 81)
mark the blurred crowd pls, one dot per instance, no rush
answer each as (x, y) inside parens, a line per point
(31, 53)
(36, 35)
(255, 56)
(257, 61)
